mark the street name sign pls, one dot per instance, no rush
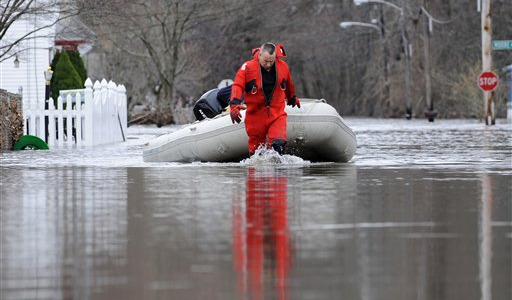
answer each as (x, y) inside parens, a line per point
(502, 45)
(488, 81)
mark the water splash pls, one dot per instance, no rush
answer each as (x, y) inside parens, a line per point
(269, 157)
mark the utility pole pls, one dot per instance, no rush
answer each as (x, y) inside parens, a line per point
(406, 48)
(487, 59)
(407, 54)
(430, 113)
(385, 54)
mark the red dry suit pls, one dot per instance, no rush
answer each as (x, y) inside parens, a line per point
(263, 120)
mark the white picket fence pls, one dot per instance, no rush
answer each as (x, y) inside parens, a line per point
(97, 115)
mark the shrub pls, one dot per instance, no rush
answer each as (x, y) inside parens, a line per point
(76, 61)
(78, 64)
(65, 77)
(55, 60)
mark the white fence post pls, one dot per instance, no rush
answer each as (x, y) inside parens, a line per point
(88, 113)
(96, 113)
(78, 120)
(69, 120)
(111, 104)
(41, 132)
(104, 111)
(33, 122)
(60, 122)
(51, 123)
(32, 119)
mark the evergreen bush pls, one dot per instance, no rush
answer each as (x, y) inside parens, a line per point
(55, 60)
(65, 77)
(78, 64)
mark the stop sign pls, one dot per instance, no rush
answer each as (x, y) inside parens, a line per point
(488, 81)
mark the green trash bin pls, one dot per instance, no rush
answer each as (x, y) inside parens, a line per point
(30, 142)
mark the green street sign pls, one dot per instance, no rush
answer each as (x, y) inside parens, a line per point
(502, 45)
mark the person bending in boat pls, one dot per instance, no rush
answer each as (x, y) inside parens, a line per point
(266, 84)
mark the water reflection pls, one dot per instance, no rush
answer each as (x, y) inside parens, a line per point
(261, 246)
(60, 231)
(423, 211)
(237, 232)
(485, 238)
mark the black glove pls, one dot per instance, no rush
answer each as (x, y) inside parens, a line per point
(294, 101)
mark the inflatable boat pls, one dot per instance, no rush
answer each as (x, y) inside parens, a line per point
(315, 132)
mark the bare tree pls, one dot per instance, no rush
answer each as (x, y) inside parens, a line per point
(44, 14)
(161, 35)
(188, 46)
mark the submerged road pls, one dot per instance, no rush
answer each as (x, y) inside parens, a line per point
(422, 211)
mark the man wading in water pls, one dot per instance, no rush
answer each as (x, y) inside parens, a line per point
(266, 83)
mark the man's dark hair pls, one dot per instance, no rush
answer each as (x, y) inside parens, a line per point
(269, 48)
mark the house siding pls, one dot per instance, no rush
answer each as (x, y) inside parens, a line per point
(34, 59)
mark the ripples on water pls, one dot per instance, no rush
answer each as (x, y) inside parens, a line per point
(381, 143)
(444, 143)
(423, 210)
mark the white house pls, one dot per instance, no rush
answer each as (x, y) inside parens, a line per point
(34, 54)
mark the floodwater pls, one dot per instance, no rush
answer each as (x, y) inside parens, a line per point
(423, 211)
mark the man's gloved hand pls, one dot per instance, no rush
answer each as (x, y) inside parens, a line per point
(294, 101)
(234, 112)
